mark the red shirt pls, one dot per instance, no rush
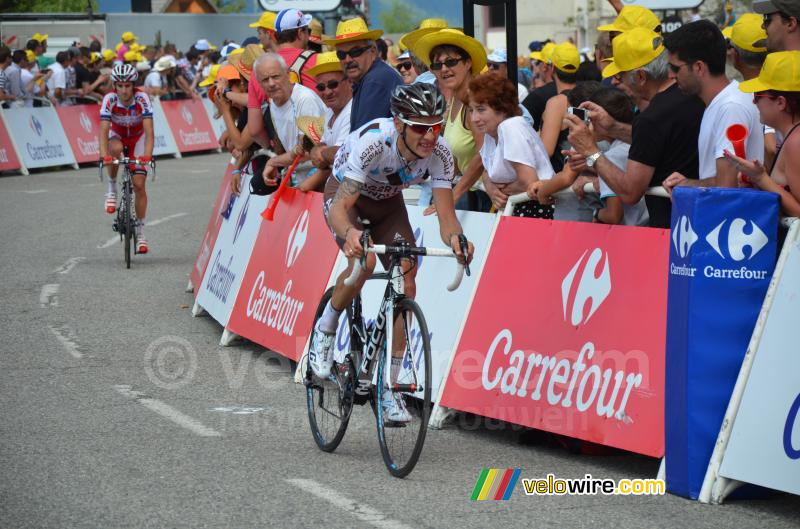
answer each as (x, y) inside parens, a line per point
(126, 121)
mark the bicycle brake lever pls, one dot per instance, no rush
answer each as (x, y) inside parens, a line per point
(462, 242)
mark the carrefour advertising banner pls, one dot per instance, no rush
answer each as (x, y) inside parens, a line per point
(188, 120)
(82, 125)
(39, 137)
(566, 333)
(721, 261)
(8, 157)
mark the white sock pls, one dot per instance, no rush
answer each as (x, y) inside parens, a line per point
(329, 321)
(112, 186)
(139, 228)
(396, 364)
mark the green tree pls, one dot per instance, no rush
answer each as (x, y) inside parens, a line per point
(229, 6)
(46, 6)
(399, 16)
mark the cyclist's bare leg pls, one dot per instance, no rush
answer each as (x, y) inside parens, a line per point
(141, 195)
(399, 339)
(115, 151)
(343, 295)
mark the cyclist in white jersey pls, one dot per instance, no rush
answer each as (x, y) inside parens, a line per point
(370, 171)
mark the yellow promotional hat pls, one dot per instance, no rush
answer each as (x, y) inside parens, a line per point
(566, 57)
(634, 49)
(212, 76)
(633, 17)
(30, 56)
(477, 53)
(426, 27)
(544, 54)
(38, 37)
(266, 21)
(94, 57)
(747, 33)
(133, 56)
(128, 36)
(353, 30)
(109, 55)
(118, 46)
(781, 71)
(326, 62)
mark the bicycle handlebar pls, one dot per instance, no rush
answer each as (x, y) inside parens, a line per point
(382, 249)
(127, 161)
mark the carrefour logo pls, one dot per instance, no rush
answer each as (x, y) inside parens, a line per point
(737, 239)
(297, 239)
(593, 286)
(36, 125)
(86, 123)
(186, 114)
(683, 236)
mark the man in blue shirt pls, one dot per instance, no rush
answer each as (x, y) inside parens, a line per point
(373, 80)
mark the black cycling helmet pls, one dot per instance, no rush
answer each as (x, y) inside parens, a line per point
(417, 100)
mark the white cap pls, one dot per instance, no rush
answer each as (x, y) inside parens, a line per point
(227, 49)
(291, 19)
(405, 55)
(202, 45)
(142, 66)
(165, 63)
(499, 55)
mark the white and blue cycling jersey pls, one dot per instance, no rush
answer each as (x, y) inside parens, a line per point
(369, 156)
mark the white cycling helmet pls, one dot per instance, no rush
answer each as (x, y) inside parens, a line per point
(124, 73)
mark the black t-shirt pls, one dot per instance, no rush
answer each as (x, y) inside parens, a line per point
(665, 137)
(537, 100)
(83, 75)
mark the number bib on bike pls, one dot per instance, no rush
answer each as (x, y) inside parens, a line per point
(370, 156)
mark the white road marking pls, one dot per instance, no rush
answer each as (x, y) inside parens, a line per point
(67, 337)
(165, 219)
(48, 296)
(359, 510)
(168, 412)
(35, 191)
(71, 263)
(114, 240)
(199, 171)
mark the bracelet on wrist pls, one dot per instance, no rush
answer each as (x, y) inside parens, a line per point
(236, 171)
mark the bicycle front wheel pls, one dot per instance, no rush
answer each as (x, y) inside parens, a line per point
(329, 401)
(401, 440)
(127, 224)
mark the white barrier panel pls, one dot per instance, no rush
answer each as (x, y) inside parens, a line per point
(231, 253)
(764, 443)
(444, 311)
(40, 140)
(217, 123)
(163, 142)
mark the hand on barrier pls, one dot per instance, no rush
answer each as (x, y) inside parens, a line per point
(270, 174)
(672, 181)
(579, 185)
(269, 213)
(430, 210)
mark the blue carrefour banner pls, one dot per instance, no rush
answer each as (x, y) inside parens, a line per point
(723, 253)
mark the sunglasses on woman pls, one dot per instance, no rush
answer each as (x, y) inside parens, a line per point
(332, 85)
(758, 96)
(450, 63)
(404, 66)
(355, 52)
(424, 128)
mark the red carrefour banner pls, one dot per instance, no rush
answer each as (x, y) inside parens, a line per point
(567, 331)
(224, 199)
(8, 158)
(81, 124)
(190, 125)
(286, 276)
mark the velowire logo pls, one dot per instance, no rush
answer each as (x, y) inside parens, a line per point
(737, 239)
(590, 287)
(683, 236)
(297, 239)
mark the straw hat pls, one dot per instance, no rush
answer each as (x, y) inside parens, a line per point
(312, 126)
(243, 61)
(426, 27)
(422, 47)
(315, 31)
(351, 31)
(326, 62)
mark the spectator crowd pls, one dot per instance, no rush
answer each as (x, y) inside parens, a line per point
(644, 109)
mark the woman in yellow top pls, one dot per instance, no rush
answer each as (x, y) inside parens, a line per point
(455, 59)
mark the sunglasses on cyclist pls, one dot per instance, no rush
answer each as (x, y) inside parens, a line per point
(404, 66)
(424, 128)
(450, 63)
(332, 85)
(355, 52)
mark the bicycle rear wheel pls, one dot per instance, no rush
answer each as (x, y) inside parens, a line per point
(330, 401)
(401, 442)
(127, 222)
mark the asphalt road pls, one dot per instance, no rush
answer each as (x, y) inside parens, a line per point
(121, 410)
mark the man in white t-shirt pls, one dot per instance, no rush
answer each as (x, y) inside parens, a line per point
(57, 83)
(287, 102)
(336, 92)
(697, 55)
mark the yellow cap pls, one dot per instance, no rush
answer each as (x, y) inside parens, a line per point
(109, 55)
(566, 57)
(781, 71)
(634, 49)
(212, 76)
(747, 33)
(545, 53)
(94, 57)
(128, 36)
(137, 47)
(633, 17)
(30, 56)
(326, 62)
(237, 51)
(38, 37)
(266, 21)
(133, 56)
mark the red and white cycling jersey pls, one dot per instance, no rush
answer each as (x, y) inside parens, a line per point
(126, 121)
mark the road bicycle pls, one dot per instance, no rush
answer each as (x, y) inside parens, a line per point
(125, 221)
(354, 379)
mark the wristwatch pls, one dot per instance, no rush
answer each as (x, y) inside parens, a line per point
(591, 160)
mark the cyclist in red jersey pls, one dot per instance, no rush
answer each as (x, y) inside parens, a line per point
(126, 120)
